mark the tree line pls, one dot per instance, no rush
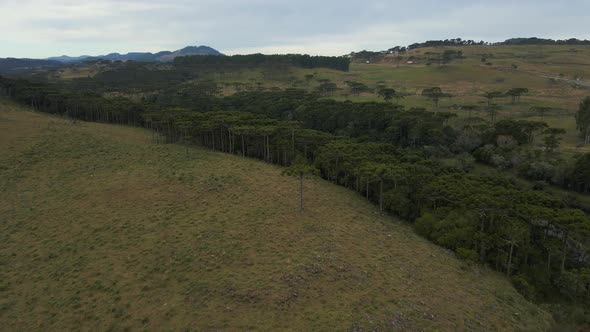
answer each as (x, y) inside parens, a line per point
(244, 61)
(471, 42)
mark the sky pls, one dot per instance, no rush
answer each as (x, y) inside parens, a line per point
(43, 28)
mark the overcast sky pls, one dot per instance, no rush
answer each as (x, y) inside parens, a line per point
(42, 28)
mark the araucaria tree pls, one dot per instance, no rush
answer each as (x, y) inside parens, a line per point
(541, 110)
(515, 94)
(387, 94)
(435, 94)
(300, 169)
(493, 108)
(490, 96)
(552, 138)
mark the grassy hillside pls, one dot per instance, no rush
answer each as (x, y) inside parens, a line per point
(468, 77)
(102, 229)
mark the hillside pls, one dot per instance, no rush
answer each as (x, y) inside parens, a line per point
(103, 229)
(554, 74)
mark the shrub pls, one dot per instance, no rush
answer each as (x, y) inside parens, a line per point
(539, 185)
(499, 161)
(425, 224)
(468, 255)
(397, 202)
(523, 286)
(484, 154)
(466, 142)
(537, 170)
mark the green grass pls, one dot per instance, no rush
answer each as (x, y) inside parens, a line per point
(103, 230)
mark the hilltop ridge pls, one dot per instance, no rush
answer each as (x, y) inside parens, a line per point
(162, 56)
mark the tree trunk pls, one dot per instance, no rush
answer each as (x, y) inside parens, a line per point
(293, 144)
(509, 270)
(268, 153)
(230, 143)
(482, 246)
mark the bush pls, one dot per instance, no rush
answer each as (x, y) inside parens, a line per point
(425, 224)
(468, 255)
(484, 154)
(466, 142)
(397, 202)
(539, 185)
(467, 162)
(499, 161)
(575, 283)
(539, 170)
(569, 317)
(523, 286)
(456, 230)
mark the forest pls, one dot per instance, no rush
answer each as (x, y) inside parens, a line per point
(511, 41)
(392, 156)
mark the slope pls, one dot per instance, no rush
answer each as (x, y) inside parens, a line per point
(102, 229)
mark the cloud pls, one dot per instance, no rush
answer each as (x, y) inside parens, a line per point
(40, 28)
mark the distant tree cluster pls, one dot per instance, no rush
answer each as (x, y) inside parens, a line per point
(544, 41)
(298, 60)
(512, 41)
(446, 42)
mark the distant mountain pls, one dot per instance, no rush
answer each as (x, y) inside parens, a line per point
(163, 56)
(189, 50)
(66, 59)
(12, 65)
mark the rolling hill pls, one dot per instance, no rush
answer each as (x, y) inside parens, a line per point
(104, 230)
